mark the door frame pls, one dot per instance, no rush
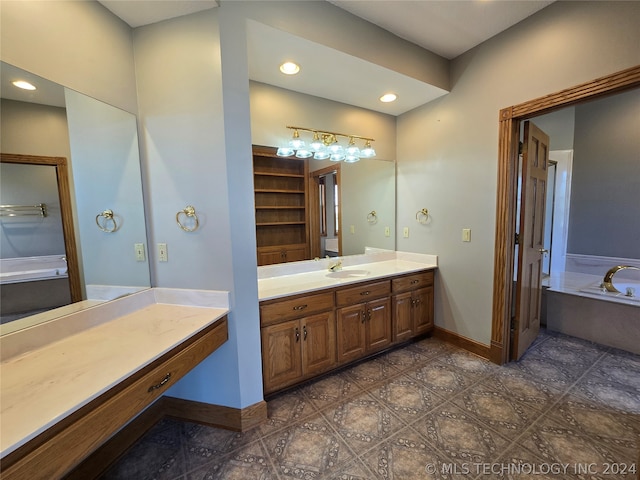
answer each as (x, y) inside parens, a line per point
(510, 119)
(66, 213)
(314, 208)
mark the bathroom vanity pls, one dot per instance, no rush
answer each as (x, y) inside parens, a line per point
(316, 320)
(69, 384)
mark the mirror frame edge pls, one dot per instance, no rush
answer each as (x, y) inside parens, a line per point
(64, 195)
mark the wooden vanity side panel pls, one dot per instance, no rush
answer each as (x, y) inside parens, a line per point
(56, 451)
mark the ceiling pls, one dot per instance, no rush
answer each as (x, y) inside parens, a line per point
(445, 27)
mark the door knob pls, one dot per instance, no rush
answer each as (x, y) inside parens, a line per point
(543, 250)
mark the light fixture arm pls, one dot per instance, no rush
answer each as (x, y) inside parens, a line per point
(324, 133)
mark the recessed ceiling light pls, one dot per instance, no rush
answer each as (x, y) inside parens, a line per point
(289, 68)
(23, 84)
(388, 97)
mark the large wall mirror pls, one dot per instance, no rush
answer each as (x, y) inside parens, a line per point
(72, 225)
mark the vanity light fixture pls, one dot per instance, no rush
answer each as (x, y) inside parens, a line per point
(388, 97)
(289, 68)
(325, 145)
(23, 84)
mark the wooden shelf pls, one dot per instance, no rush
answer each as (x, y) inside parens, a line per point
(271, 190)
(271, 174)
(281, 207)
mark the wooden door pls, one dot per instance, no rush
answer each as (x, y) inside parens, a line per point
(402, 317)
(423, 310)
(378, 325)
(535, 160)
(318, 343)
(281, 355)
(351, 332)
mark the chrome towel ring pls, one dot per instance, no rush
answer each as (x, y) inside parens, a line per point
(108, 223)
(189, 212)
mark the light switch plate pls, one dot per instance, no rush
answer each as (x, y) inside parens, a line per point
(387, 231)
(139, 249)
(405, 232)
(163, 256)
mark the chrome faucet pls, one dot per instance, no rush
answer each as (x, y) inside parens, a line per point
(336, 266)
(608, 277)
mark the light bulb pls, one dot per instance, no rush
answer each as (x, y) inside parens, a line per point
(296, 142)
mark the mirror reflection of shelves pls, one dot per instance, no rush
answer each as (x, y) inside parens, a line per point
(281, 207)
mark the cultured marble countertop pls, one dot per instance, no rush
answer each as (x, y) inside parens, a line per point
(276, 281)
(51, 370)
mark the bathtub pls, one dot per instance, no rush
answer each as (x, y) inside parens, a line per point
(576, 305)
(32, 284)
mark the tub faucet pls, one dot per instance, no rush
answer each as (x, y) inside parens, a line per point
(608, 277)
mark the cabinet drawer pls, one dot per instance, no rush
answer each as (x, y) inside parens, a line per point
(55, 451)
(362, 293)
(412, 282)
(295, 308)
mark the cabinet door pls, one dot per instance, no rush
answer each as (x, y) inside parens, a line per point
(269, 257)
(295, 254)
(378, 325)
(351, 332)
(318, 343)
(423, 310)
(281, 355)
(402, 317)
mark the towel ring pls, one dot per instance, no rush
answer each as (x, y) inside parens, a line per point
(190, 212)
(372, 217)
(422, 216)
(107, 215)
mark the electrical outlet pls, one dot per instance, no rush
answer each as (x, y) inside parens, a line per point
(139, 249)
(466, 234)
(163, 256)
(405, 232)
(352, 229)
(387, 231)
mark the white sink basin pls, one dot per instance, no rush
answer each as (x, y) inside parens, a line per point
(348, 273)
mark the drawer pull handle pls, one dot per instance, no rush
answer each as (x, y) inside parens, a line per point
(159, 385)
(413, 282)
(300, 307)
(365, 293)
(297, 335)
(364, 316)
(304, 332)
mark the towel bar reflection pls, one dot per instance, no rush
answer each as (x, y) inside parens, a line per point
(106, 221)
(188, 212)
(372, 217)
(39, 210)
(422, 216)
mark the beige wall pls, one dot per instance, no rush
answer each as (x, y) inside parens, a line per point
(447, 149)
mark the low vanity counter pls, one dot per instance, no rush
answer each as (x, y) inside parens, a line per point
(69, 384)
(316, 316)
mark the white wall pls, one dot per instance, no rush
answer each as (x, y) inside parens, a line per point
(447, 149)
(193, 159)
(78, 44)
(106, 175)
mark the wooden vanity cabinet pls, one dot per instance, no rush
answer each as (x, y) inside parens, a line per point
(363, 320)
(300, 348)
(309, 334)
(412, 306)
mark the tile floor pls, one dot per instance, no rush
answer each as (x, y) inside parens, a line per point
(567, 409)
